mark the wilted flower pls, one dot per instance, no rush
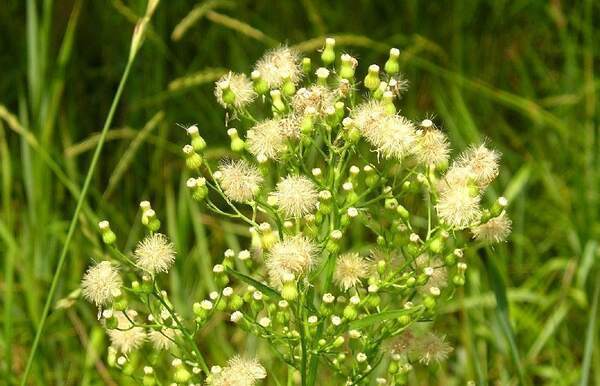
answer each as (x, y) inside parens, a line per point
(293, 256)
(126, 338)
(234, 90)
(240, 180)
(437, 272)
(296, 196)
(155, 253)
(278, 65)
(317, 97)
(431, 348)
(494, 230)
(101, 283)
(350, 268)
(238, 372)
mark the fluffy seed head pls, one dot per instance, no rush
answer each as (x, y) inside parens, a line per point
(432, 147)
(439, 273)
(278, 65)
(290, 257)
(350, 269)
(266, 140)
(296, 196)
(495, 230)
(432, 348)
(155, 253)
(391, 135)
(240, 180)
(238, 372)
(482, 162)
(163, 339)
(126, 338)
(317, 97)
(458, 207)
(101, 283)
(240, 86)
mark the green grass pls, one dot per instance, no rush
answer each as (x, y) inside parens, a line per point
(519, 73)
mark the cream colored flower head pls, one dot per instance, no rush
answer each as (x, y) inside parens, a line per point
(290, 258)
(101, 283)
(238, 372)
(482, 162)
(278, 65)
(458, 207)
(164, 338)
(266, 140)
(316, 97)
(126, 338)
(155, 254)
(296, 196)
(350, 269)
(239, 85)
(240, 180)
(494, 230)
(393, 136)
(432, 147)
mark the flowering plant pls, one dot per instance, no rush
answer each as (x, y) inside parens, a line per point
(358, 222)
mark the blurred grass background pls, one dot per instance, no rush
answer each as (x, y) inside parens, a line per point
(520, 73)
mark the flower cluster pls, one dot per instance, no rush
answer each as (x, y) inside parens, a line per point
(358, 222)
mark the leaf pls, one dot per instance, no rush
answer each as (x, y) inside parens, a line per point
(258, 285)
(381, 317)
(589, 338)
(499, 288)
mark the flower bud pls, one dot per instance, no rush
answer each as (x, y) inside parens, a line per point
(348, 66)
(237, 144)
(372, 79)
(289, 291)
(328, 55)
(392, 66)
(322, 75)
(306, 65)
(198, 187)
(197, 141)
(193, 160)
(402, 212)
(108, 236)
(260, 85)
(277, 104)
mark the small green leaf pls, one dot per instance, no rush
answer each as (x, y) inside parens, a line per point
(258, 285)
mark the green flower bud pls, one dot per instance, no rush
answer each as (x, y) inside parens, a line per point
(338, 341)
(328, 55)
(372, 79)
(404, 320)
(235, 302)
(429, 302)
(381, 267)
(402, 212)
(108, 236)
(237, 144)
(277, 104)
(350, 312)
(111, 323)
(288, 88)
(260, 85)
(388, 102)
(348, 66)
(193, 160)
(391, 203)
(306, 65)
(392, 66)
(181, 375)
(120, 303)
(378, 94)
(322, 75)
(197, 141)
(392, 367)
(436, 245)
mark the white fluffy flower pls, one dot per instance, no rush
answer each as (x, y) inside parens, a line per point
(296, 196)
(317, 97)
(494, 230)
(393, 136)
(101, 283)
(431, 348)
(290, 257)
(482, 162)
(266, 140)
(163, 339)
(458, 207)
(350, 268)
(278, 65)
(238, 372)
(240, 180)
(126, 338)
(240, 87)
(432, 147)
(155, 253)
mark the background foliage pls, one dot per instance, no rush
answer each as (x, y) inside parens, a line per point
(519, 73)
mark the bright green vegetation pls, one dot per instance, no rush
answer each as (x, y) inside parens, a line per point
(519, 73)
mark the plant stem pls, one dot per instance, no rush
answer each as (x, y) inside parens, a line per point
(74, 220)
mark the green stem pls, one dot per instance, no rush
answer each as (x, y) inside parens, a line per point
(74, 220)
